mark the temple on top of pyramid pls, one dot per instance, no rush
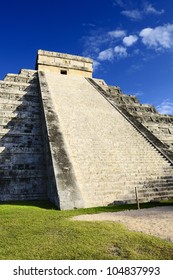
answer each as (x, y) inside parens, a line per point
(64, 64)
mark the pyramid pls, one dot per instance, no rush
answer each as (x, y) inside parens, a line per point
(71, 138)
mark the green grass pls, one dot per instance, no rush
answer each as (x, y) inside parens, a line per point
(38, 231)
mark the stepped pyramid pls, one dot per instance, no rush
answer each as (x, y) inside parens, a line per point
(70, 138)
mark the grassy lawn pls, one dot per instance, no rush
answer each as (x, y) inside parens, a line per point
(38, 231)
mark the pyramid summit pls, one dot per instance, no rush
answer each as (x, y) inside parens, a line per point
(71, 138)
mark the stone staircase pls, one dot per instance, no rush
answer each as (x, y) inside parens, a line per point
(151, 185)
(22, 164)
(160, 125)
(110, 157)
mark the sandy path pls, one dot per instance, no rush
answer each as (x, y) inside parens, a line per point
(157, 221)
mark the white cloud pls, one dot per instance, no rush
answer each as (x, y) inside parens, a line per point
(135, 68)
(111, 53)
(158, 38)
(120, 51)
(89, 24)
(100, 39)
(119, 3)
(132, 14)
(149, 9)
(106, 55)
(105, 46)
(139, 93)
(94, 42)
(96, 65)
(138, 14)
(166, 107)
(117, 33)
(130, 40)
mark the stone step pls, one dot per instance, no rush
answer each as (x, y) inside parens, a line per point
(156, 185)
(144, 190)
(28, 73)
(168, 138)
(23, 167)
(126, 184)
(18, 94)
(18, 158)
(26, 173)
(16, 86)
(23, 197)
(167, 187)
(165, 176)
(159, 172)
(116, 160)
(22, 186)
(113, 144)
(16, 130)
(21, 161)
(157, 194)
(20, 115)
(100, 154)
(29, 197)
(119, 172)
(20, 78)
(4, 101)
(7, 122)
(119, 169)
(7, 132)
(140, 170)
(20, 108)
(23, 182)
(14, 97)
(21, 140)
(132, 200)
(21, 149)
(158, 182)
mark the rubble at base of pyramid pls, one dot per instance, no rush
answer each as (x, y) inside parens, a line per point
(71, 138)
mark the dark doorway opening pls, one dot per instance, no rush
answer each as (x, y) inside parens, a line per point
(63, 72)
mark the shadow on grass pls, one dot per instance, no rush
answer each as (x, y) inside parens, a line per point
(45, 204)
(122, 207)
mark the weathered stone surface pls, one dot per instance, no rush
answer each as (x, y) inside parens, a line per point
(62, 190)
(78, 141)
(108, 155)
(22, 160)
(64, 64)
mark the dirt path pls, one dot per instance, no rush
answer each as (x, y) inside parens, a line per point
(157, 221)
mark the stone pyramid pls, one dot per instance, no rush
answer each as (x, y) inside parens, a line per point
(70, 138)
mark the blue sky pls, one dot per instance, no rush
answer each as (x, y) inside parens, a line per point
(131, 42)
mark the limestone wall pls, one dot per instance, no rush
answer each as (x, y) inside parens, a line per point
(64, 64)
